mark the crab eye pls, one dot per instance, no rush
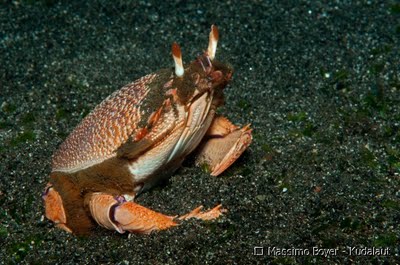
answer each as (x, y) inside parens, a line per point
(216, 76)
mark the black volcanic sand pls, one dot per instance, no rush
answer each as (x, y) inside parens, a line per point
(319, 82)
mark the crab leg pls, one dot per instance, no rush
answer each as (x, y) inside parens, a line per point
(208, 215)
(116, 213)
(225, 143)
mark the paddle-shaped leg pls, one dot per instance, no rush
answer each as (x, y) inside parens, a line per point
(116, 213)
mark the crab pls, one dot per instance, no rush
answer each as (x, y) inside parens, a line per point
(137, 136)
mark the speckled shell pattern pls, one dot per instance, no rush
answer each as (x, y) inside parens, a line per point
(104, 130)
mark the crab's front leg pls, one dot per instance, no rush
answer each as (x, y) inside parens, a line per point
(116, 213)
(223, 144)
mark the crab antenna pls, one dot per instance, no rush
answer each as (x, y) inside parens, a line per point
(212, 42)
(177, 55)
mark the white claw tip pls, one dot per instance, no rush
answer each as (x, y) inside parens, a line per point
(177, 55)
(212, 42)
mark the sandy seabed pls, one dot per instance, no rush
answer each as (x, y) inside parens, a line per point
(319, 82)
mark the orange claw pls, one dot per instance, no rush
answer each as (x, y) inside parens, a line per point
(226, 143)
(242, 142)
(54, 208)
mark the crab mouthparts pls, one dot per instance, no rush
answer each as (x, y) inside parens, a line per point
(205, 62)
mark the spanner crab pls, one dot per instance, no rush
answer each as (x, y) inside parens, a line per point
(137, 136)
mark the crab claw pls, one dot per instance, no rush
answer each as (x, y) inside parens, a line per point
(242, 139)
(54, 208)
(212, 42)
(225, 144)
(177, 55)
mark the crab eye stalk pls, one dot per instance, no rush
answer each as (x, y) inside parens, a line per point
(212, 42)
(177, 55)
